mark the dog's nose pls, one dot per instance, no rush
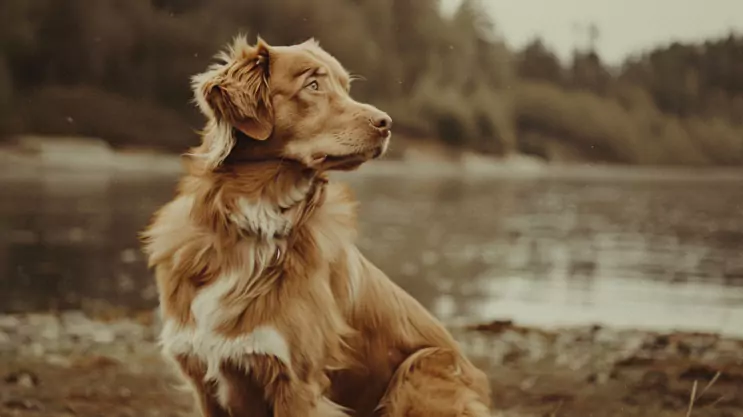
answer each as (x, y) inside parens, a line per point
(383, 123)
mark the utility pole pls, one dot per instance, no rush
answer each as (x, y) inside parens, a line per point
(588, 33)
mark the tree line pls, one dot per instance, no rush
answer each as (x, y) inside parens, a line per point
(119, 70)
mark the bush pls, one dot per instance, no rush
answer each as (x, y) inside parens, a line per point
(630, 130)
(120, 120)
(119, 70)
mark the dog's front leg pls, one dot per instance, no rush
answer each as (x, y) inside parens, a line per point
(290, 394)
(195, 371)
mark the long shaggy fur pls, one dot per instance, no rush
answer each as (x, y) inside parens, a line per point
(269, 307)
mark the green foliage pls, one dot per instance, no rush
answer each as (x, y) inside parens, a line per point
(119, 69)
(607, 130)
(681, 104)
(703, 80)
(143, 53)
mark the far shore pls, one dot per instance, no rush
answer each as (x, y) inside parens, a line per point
(31, 156)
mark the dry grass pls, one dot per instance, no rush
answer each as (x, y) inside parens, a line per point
(693, 397)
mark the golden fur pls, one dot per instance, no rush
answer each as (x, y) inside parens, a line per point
(268, 306)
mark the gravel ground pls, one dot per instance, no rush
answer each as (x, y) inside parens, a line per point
(70, 364)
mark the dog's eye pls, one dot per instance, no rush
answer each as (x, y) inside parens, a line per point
(313, 86)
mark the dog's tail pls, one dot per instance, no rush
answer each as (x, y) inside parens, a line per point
(436, 382)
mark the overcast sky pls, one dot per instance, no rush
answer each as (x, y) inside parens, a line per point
(626, 26)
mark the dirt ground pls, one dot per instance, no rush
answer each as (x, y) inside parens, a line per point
(71, 365)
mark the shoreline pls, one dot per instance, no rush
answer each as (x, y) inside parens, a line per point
(106, 361)
(33, 156)
(69, 364)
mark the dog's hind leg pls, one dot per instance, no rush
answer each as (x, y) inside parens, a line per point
(436, 382)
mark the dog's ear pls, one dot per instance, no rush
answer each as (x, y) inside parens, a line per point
(237, 92)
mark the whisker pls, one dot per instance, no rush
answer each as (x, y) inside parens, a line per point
(356, 77)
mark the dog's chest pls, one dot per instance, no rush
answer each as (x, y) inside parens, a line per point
(203, 339)
(330, 231)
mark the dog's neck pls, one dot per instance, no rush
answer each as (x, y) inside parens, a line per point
(265, 200)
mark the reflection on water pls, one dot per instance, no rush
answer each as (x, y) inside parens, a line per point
(657, 254)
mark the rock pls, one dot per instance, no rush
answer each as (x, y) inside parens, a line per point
(635, 361)
(654, 380)
(37, 349)
(24, 379)
(4, 339)
(103, 335)
(38, 322)
(496, 326)
(75, 323)
(51, 330)
(96, 362)
(24, 404)
(58, 360)
(9, 322)
(125, 393)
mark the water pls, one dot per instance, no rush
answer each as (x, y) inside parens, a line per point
(644, 253)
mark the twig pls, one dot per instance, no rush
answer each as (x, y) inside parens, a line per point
(554, 413)
(709, 384)
(692, 398)
(715, 402)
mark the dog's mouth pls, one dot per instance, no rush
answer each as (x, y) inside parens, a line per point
(346, 162)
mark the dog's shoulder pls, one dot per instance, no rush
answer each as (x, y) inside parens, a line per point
(169, 230)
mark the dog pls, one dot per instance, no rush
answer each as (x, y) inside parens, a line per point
(268, 306)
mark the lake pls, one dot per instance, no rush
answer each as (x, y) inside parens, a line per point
(659, 252)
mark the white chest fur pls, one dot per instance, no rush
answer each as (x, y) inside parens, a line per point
(332, 229)
(202, 340)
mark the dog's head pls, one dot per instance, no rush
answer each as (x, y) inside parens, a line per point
(286, 102)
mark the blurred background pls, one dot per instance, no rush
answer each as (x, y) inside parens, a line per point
(602, 81)
(554, 163)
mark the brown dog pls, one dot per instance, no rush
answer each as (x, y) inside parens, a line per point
(268, 306)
